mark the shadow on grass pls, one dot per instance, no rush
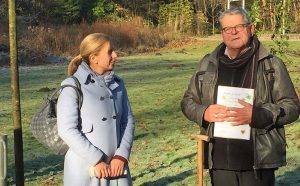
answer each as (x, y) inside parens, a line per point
(46, 166)
(140, 136)
(290, 178)
(43, 166)
(169, 179)
(178, 177)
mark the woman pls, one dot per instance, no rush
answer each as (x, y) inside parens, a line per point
(100, 135)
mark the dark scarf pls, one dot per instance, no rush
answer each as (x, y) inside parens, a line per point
(247, 62)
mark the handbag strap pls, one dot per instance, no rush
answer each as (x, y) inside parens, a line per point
(77, 89)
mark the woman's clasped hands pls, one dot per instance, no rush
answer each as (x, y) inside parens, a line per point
(114, 169)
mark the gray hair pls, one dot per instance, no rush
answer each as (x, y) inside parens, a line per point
(235, 11)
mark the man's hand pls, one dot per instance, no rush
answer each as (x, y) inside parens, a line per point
(215, 113)
(102, 170)
(116, 167)
(239, 116)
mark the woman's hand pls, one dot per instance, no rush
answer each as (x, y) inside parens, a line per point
(102, 170)
(116, 167)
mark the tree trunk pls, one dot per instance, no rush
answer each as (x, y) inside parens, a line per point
(213, 16)
(15, 90)
(176, 23)
(283, 21)
(272, 16)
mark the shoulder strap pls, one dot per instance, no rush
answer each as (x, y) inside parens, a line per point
(207, 66)
(76, 82)
(79, 93)
(197, 83)
(269, 72)
(78, 90)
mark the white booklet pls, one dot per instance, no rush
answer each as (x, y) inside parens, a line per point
(228, 96)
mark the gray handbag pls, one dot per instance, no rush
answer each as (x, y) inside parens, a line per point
(44, 122)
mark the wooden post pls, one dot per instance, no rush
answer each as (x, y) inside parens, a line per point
(3, 159)
(229, 1)
(200, 140)
(15, 91)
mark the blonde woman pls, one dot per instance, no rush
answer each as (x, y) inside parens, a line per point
(100, 133)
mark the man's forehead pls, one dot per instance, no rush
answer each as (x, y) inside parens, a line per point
(232, 20)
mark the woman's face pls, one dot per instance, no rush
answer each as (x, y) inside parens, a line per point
(104, 60)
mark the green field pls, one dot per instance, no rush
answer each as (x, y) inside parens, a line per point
(163, 152)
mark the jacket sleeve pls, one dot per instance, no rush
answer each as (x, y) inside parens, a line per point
(127, 128)
(285, 107)
(261, 118)
(191, 105)
(68, 126)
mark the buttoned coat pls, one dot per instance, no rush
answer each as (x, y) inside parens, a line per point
(102, 128)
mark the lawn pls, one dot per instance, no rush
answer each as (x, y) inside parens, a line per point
(163, 152)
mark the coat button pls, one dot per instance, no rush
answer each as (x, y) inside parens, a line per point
(111, 97)
(114, 117)
(102, 98)
(104, 119)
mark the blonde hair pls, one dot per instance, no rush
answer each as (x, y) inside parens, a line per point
(91, 44)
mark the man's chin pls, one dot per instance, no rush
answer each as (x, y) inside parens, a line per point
(236, 46)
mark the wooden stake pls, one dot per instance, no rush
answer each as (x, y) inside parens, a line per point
(200, 140)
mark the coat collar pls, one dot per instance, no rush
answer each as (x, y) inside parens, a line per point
(262, 53)
(87, 76)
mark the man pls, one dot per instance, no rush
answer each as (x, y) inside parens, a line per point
(242, 61)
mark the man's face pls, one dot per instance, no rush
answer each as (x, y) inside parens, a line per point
(236, 32)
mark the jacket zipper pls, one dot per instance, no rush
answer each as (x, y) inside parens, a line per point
(210, 131)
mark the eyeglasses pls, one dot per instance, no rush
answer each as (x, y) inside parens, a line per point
(237, 28)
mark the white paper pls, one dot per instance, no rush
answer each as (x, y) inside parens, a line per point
(228, 96)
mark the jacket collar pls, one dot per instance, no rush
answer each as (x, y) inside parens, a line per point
(86, 75)
(262, 53)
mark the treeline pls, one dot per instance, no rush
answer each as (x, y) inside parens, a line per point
(57, 27)
(188, 16)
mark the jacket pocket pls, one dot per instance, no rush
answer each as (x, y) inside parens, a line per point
(270, 148)
(87, 127)
(204, 86)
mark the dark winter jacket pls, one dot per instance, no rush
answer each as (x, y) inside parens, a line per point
(278, 97)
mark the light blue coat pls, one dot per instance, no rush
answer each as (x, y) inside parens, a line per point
(107, 127)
